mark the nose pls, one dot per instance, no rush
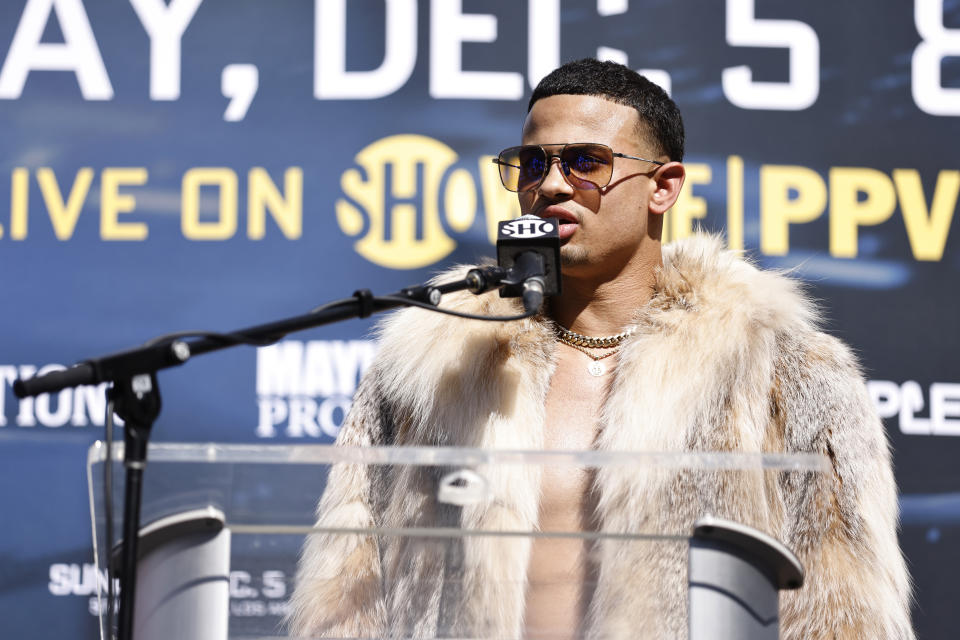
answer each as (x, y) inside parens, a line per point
(554, 184)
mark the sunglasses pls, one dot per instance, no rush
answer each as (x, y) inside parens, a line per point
(584, 165)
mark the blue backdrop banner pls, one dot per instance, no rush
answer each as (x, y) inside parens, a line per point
(188, 164)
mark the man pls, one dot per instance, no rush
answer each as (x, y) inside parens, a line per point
(693, 349)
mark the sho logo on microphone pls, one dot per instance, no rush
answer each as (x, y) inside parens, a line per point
(527, 227)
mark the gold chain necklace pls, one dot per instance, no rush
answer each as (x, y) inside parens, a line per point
(581, 343)
(573, 338)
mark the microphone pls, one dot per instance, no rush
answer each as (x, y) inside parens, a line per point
(529, 249)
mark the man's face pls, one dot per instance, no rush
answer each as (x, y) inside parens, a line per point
(602, 229)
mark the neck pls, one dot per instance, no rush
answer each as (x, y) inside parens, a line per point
(604, 307)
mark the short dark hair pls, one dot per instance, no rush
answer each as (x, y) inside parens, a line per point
(660, 120)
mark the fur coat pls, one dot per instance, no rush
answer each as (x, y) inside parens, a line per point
(725, 358)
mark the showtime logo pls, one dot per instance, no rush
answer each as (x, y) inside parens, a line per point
(412, 195)
(304, 389)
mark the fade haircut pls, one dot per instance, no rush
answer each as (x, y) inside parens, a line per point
(660, 121)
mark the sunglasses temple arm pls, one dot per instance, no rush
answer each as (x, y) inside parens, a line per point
(500, 162)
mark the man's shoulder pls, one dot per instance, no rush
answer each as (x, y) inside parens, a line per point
(707, 290)
(727, 288)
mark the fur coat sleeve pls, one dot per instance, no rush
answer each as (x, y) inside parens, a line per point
(725, 358)
(856, 583)
(339, 590)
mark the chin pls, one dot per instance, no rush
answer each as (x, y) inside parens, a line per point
(573, 256)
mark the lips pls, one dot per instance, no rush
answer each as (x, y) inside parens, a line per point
(569, 223)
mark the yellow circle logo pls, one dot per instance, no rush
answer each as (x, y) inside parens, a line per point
(396, 197)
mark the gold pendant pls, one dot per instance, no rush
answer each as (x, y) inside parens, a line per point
(596, 369)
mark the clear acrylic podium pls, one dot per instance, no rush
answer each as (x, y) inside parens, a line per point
(223, 525)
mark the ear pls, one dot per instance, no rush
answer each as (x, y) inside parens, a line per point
(669, 180)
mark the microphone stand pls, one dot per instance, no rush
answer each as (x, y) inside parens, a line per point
(136, 395)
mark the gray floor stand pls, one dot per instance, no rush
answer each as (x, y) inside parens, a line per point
(183, 578)
(735, 574)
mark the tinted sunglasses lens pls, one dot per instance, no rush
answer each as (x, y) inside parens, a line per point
(587, 166)
(521, 167)
(533, 163)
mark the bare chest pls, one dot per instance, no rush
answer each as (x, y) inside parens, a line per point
(574, 401)
(560, 577)
(573, 406)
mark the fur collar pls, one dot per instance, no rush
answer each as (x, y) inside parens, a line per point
(712, 317)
